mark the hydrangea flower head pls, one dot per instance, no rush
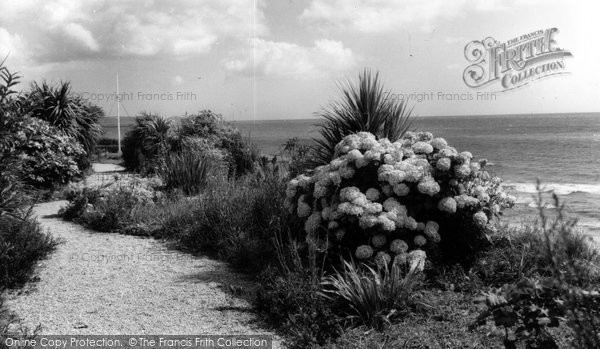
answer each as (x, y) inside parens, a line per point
(422, 148)
(367, 221)
(428, 186)
(447, 204)
(410, 223)
(462, 171)
(398, 246)
(386, 223)
(363, 252)
(350, 194)
(480, 218)
(373, 208)
(350, 209)
(382, 259)
(372, 194)
(443, 164)
(420, 240)
(401, 258)
(354, 155)
(401, 189)
(432, 231)
(439, 143)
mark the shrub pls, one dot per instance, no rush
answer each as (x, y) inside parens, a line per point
(31, 149)
(49, 157)
(70, 114)
(111, 206)
(520, 252)
(145, 145)
(373, 297)
(379, 200)
(362, 108)
(568, 290)
(297, 155)
(218, 134)
(22, 244)
(187, 171)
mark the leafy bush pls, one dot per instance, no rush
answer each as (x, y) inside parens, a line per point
(49, 157)
(297, 155)
(146, 144)
(568, 290)
(373, 297)
(111, 206)
(362, 108)
(22, 244)
(187, 171)
(380, 199)
(218, 134)
(32, 149)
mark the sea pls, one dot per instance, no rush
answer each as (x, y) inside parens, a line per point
(562, 151)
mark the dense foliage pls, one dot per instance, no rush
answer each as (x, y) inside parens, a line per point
(233, 218)
(564, 290)
(22, 242)
(155, 140)
(65, 111)
(48, 157)
(47, 133)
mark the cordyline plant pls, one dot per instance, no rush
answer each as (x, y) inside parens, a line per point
(64, 110)
(362, 107)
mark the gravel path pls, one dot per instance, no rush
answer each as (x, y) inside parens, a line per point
(99, 283)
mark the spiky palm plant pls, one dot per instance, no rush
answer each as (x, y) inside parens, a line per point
(187, 171)
(362, 107)
(373, 297)
(68, 112)
(146, 142)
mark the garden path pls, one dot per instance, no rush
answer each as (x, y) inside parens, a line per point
(102, 283)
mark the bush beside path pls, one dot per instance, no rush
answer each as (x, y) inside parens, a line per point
(101, 283)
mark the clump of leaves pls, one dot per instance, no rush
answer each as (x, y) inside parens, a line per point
(529, 307)
(373, 297)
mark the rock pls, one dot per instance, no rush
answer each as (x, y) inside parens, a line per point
(79, 325)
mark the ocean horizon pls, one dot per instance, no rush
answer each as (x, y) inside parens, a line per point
(560, 150)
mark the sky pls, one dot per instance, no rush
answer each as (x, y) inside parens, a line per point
(284, 59)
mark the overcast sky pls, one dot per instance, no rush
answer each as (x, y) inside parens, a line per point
(281, 59)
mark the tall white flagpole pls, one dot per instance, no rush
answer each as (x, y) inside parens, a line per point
(118, 118)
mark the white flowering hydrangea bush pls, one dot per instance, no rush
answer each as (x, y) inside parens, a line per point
(387, 202)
